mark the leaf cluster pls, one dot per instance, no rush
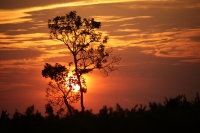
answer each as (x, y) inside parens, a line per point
(87, 46)
(60, 92)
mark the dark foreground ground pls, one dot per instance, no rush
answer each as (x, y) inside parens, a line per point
(175, 115)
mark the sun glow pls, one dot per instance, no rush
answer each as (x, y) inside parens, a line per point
(76, 88)
(72, 83)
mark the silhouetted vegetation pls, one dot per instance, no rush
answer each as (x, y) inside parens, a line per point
(61, 87)
(174, 115)
(86, 45)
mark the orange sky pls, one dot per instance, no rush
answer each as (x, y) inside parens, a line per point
(158, 40)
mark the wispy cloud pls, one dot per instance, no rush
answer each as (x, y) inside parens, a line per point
(127, 24)
(181, 46)
(19, 30)
(127, 30)
(167, 4)
(190, 60)
(14, 16)
(25, 40)
(117, 18)
(176, 43)
(4, 87)
(23, 15)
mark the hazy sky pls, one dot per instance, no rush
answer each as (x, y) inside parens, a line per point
(158, 40)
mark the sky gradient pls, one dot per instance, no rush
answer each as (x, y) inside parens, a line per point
(158, 40)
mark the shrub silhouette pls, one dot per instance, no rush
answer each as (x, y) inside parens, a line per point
(173, 115)
(49, 110)
(4, 114)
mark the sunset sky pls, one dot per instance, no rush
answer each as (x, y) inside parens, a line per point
(158, 40)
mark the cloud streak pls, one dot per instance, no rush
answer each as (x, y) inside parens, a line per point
(22, 15)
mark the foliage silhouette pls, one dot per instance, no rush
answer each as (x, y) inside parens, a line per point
(86, 45)
(61, 87)
(181, 117)
(29, 111)
(17, 115)
(49, 109)
(4, 114)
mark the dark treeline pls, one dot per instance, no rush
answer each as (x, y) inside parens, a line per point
(174, 115)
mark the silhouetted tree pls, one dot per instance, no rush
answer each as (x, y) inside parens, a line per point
(87, 46)
(4, 114)
(49, 109)
(61, 87)
(175, 102)
(30, 111)
(196, 100)
(17, 115)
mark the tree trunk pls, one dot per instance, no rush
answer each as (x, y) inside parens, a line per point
(80, 84)
(68, 106)
(82, 105)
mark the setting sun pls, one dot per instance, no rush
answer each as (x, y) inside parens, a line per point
(72, 83)
(76, 87)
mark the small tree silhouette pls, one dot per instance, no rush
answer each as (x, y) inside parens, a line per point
(4, 114)
(61, 87)
(30, 111)
(86, 45)
(49, 109)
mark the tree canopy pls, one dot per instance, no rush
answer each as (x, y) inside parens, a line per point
(61, 88)
(86, 45)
